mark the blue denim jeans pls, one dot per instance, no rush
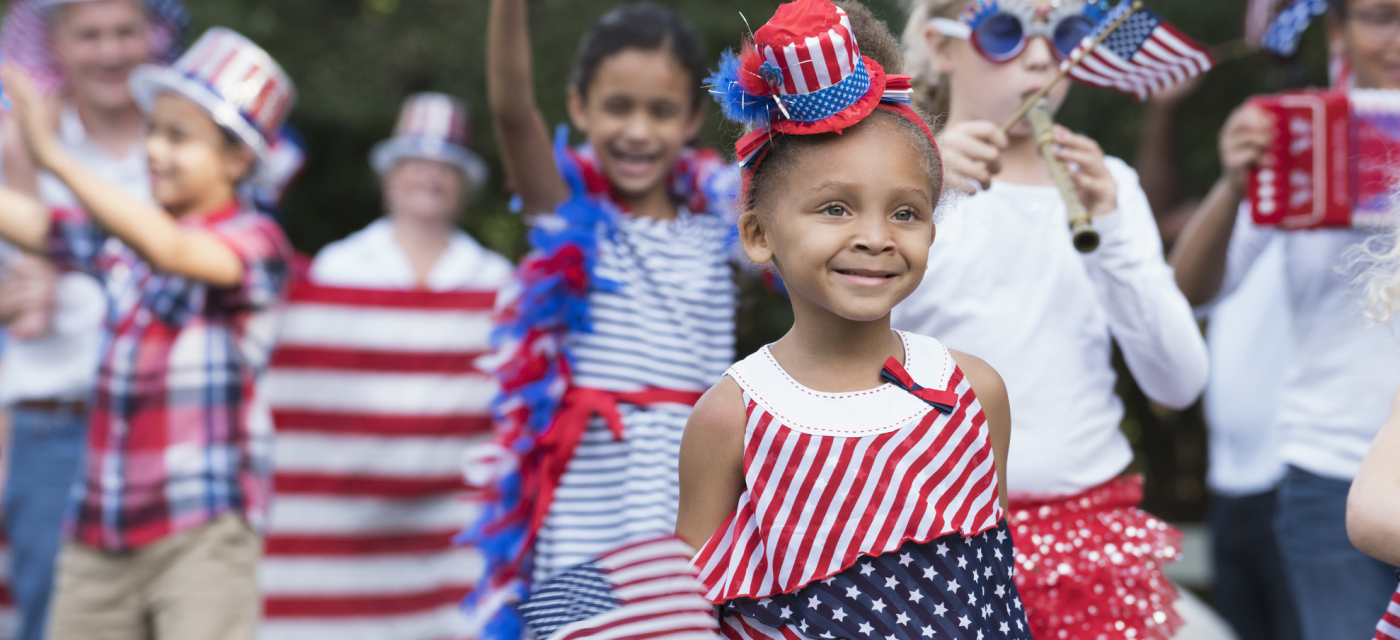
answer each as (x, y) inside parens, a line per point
(1340, 592)
(1250, 591)
(46, 451)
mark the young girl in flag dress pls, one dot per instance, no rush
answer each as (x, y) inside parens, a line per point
(1011, 288)
(842, 482)
(622, 315)
(1373, 501)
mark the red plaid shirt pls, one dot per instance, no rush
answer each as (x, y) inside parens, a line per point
(176, 437)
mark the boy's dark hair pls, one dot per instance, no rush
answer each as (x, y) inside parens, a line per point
(1337, 8)
(643, 26)
(877, 43)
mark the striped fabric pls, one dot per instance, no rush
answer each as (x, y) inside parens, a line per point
(433, 115)
(1389, 626)
(644, 590)
(669, 326)
(832, 477)
(816, 62)
(375, 397)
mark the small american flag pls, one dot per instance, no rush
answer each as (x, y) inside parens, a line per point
(646, 589)
(1143, 56)
(1389, 626)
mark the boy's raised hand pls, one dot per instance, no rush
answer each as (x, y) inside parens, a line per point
(971, 154)
(32, 112)
(1097, 188)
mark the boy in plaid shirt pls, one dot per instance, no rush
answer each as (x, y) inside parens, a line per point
(177, 476)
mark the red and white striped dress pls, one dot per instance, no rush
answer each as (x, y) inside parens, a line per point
(1389, 626)
(834, 477)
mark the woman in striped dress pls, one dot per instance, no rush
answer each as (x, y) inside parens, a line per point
(622, 315)
(825, 503)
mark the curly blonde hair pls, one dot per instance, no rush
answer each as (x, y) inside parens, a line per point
(930, 84)
(1377, 263)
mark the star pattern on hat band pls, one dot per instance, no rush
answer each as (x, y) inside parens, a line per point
(819, 105)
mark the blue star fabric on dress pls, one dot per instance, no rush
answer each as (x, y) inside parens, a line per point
(951, 588)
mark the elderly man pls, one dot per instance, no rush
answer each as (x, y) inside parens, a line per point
(90, 50)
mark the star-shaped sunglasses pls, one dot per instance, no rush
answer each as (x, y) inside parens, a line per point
(1000, 30)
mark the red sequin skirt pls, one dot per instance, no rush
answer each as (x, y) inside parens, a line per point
(1089, 566)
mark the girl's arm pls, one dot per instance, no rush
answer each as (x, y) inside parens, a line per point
(1373, 506)
(1146, 313)
(991, 394)
(522, 137)
(148, 230)
(712, 463)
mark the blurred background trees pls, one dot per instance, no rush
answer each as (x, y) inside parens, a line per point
(354, 60)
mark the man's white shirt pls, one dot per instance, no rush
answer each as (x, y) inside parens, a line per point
(63, 363)
(370, 258)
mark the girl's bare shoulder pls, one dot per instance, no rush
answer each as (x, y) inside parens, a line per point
(720, 412)
(985, 381)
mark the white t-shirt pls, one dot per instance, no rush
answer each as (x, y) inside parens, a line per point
(371, 259)
(1004, 283)
(1340, 381)
(62, 363)
(1250, 341)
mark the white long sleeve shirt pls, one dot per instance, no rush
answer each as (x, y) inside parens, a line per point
(1344, 367)
(1005, 284)
(1250, 339)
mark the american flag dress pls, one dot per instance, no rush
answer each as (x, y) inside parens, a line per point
(870, 515)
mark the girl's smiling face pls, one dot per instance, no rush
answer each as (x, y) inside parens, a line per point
(638, 113)
(848, 222)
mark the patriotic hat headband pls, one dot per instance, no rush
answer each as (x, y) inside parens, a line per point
(803, 74)
(238, 83)
(432, 126)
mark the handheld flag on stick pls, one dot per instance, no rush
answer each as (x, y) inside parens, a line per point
(1141, 55)
(1112, 22)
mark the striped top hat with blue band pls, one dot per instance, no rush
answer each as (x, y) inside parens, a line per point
(432, 126)
(238, 83)
(802, 74)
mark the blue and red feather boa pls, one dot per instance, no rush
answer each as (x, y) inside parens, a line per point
(549, 301)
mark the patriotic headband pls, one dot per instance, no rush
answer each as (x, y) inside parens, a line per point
(804, 74)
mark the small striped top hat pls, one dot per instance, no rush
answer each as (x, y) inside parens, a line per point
(432, 126)
(238, 83)
(803, 74)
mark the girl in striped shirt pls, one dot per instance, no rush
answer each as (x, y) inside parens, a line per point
(843, 482)
(621, 316)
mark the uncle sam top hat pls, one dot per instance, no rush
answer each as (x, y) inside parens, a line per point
(431, 126)
(802, 74)
(239, 84)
